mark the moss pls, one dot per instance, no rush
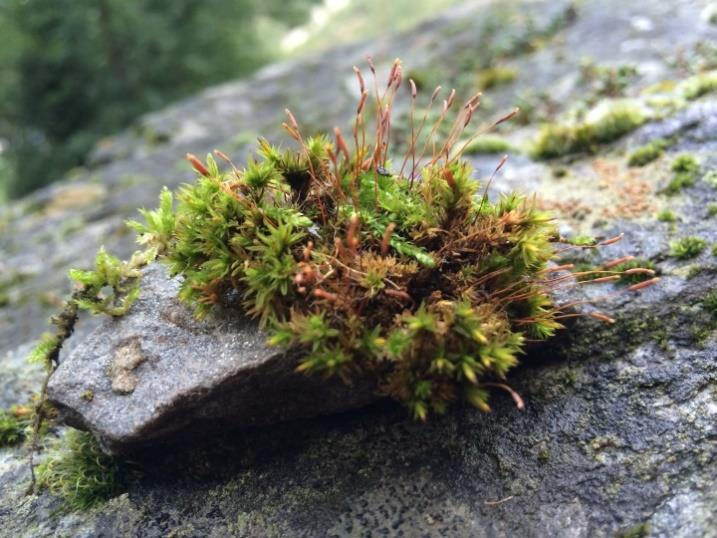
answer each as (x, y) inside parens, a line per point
(699, 85)
(544, 456)
(560, 172)
(607, 81)
(361, 269)
(355, 265)
(667, 215)
(648, 153)
(711, 210)
(711, 178)
(557, 140)
(496, 76)
(709, 303)
(687, 247)
(693, 271)
(685, 168)
(489, 144)
(629, 278)
(78, 471)
(422, 78)
(640, 530)
(14, 423)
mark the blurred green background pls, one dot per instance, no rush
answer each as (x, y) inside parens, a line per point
(74, 71)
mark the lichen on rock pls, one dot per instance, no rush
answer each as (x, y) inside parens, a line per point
(126, 358)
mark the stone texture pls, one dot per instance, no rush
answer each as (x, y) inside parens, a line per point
(157, 374)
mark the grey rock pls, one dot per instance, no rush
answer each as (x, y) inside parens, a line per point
(157, 374)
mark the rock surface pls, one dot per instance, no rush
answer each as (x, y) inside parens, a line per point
(619, 434)
(157, 374)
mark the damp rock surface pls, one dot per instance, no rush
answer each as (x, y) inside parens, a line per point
(157, 374)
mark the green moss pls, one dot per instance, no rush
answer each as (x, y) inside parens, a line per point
(14, 423)
(582, 240)
(423, 78)
(560, 172)
(364, 271)
(711, 178)
(640, 530)
(711, 210)
(556, 140)
(648, 153)
(634, 278)
(687, 247)
(363, 263)
(8, 284)
(76, 469)
(666, 215)
(606, 81)
(694, 271)
(709, 303)
(699, 85)
(496, 76)
(489, 144)
(685, 168)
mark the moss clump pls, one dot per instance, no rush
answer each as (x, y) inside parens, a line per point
(685, 169)
(648, 153)
(667, 215)
(14, 423)
(489, 144)
(628, 277)
(687, 247)
(711, 210)
(607, 81)
(556, 140)
(700, 85)
(641, 530)
(397, 273)
(711, 178)
(78, 471)
(496, 76)
(709, 303)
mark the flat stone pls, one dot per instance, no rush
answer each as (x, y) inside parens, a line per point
(157, 374)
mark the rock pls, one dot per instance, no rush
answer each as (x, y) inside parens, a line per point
(157, 374)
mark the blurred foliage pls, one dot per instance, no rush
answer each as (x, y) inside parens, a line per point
(77, 70)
